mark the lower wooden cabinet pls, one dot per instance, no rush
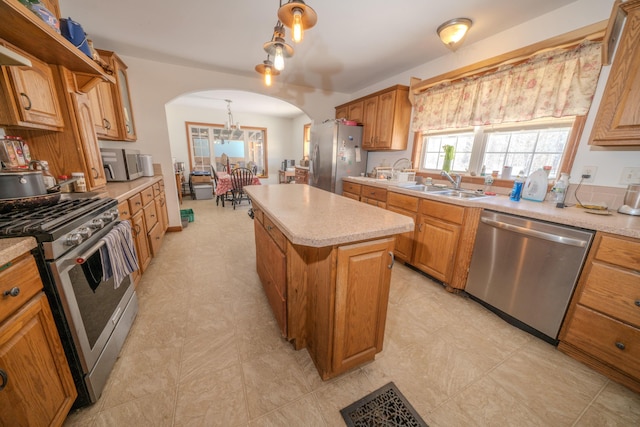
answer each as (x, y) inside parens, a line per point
(408, 206)
(271, 264)
(375, 196)
(602, 326)
(436, 247)
(330, 300)
(351, 190)
(302, 175)
(361, 299)
(36, 386)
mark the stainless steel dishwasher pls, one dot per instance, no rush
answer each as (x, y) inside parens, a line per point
(526, 270)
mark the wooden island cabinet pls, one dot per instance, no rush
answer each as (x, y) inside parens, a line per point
(328, 287)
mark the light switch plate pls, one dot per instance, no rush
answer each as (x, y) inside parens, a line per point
(630, 176)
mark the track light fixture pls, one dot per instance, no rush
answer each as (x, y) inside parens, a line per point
(268, 70)
(294, 14)
(278, 48)
(298, 16)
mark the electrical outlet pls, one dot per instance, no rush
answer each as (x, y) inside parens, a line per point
(630, 176)
(591, 171)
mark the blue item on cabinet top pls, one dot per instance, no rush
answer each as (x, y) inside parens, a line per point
(73, 32)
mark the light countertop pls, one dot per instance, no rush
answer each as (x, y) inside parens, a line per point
(312, 217)
(615, 223)
(13, 247)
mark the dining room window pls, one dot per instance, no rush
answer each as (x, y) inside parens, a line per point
(212, 145)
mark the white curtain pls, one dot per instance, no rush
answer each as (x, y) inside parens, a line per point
(558, 83)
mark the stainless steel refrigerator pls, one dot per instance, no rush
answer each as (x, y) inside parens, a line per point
(336, 152)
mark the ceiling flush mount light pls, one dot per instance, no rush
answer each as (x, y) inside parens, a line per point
(278, 48)
(452, 32)
(268, 70)
(298, 16)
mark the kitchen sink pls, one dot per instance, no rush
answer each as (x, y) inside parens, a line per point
(460, 194)
(448, 192)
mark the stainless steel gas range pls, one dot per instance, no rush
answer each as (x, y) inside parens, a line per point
(93, 315)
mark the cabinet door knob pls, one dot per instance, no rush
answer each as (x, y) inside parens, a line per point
(420, 228)
(106, 124)
(4, 378)
(637, 302)
(620, 345)
(13, 292)
(393, 260)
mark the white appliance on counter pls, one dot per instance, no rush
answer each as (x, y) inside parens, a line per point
(336, 152)
(146, 161)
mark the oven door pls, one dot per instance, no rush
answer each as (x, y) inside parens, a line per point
(92, 306)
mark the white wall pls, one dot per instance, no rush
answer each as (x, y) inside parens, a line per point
(281, 133)
(609, 161)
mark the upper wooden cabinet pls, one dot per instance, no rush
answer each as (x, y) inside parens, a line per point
(119, 98)
(385, 117)
(28, 97)
(22, 28)
(103, 110)
(618, 119)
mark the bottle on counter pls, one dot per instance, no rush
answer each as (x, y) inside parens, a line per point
(516, 191)
(560, 188)
(80, 186)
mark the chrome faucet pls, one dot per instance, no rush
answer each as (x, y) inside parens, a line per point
(456, 182)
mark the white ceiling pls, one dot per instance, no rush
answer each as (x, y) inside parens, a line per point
(355, 43)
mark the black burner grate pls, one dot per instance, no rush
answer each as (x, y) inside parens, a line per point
(47, 219)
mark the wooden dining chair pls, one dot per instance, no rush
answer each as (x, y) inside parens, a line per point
(228, 196)
(239, 178)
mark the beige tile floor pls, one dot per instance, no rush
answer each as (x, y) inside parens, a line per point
(206, 351)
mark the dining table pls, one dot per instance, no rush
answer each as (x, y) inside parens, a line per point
(224, 183)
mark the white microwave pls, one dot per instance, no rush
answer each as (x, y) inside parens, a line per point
(121, 164)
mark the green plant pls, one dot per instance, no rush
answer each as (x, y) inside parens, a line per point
(448, 157)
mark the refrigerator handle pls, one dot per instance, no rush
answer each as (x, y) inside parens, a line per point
(313, 166)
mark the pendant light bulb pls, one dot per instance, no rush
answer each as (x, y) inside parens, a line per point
(267, 76)
(297, 25)
(278, 60)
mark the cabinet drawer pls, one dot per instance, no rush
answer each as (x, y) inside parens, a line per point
(374, 193)
(275, 233)
(135, 204)
(350, 187)
(614, 292)
(618, 251)
(22, 274)
(124, 210)
(258, 215)
(147, 195)
(351, 195)
(155, 236)
(443, 211)
(402, 201)
(613, 342)
(150, 215)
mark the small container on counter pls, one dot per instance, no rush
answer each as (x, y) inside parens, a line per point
(516, 191)
(80, 186)
(65, 188)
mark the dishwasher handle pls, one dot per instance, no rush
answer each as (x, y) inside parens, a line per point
(535, 233)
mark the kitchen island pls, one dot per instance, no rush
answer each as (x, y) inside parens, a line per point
(325, 265)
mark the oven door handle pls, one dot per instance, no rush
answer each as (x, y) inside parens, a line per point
(82, 258)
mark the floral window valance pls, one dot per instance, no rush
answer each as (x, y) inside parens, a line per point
(557, 83)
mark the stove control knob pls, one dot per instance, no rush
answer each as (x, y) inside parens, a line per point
(74, 239)
(97, 224)
(111, 215)
(85, 233)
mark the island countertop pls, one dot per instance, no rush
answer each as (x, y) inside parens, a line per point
(312, 217)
